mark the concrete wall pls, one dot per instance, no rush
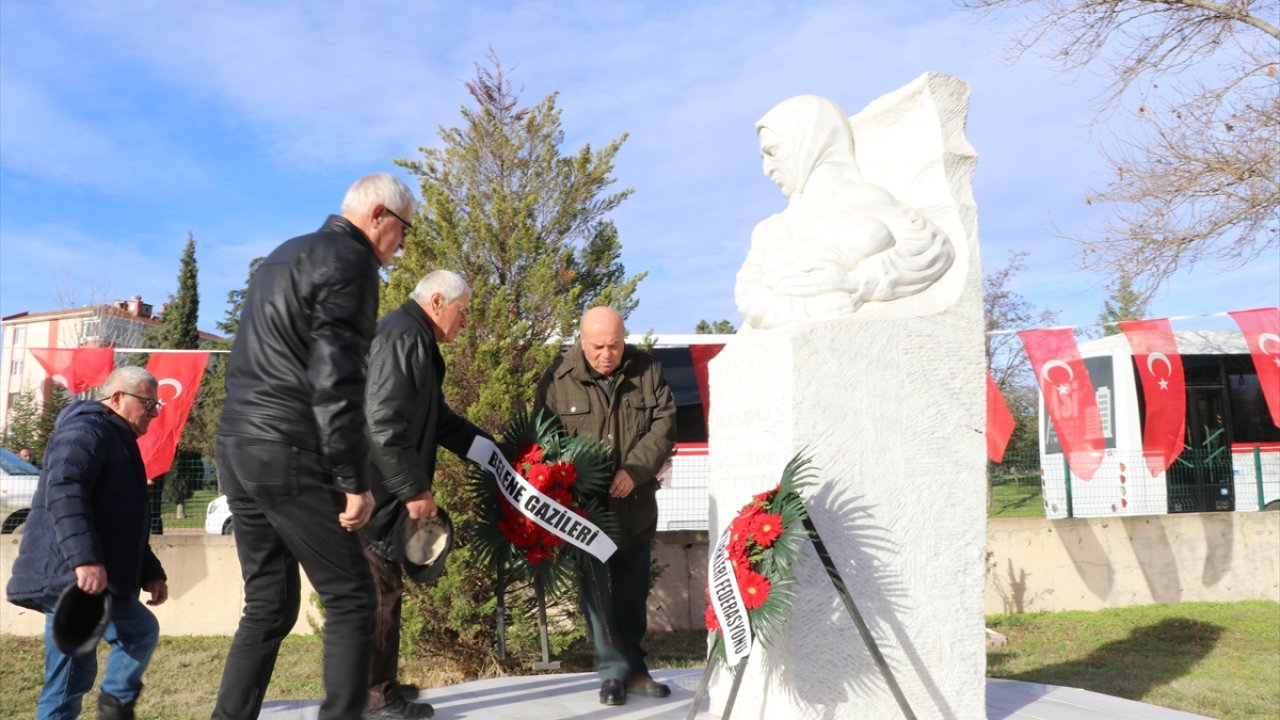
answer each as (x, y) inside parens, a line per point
(1033, 564)
(206, 594)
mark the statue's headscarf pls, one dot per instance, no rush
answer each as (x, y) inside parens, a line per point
(814, 130)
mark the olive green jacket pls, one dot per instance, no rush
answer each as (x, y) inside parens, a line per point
(639, 426)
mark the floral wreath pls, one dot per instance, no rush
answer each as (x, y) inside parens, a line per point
(765, 539)
(573, 471)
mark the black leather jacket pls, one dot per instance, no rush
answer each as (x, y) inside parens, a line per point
(297, 369)
(408, 416)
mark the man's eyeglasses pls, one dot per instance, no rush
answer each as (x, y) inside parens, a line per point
(151, 405)
(407, 225)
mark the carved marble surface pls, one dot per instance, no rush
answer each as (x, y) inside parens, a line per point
(849, 237)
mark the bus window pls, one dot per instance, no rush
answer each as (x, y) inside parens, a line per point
(677, 368)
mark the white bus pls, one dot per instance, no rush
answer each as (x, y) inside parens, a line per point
(682, 498)
(1231, 458)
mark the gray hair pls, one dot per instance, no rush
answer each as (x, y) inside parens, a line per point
(446, 282)
(379, 188)
(127, 378)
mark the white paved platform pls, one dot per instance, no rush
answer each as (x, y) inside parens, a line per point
(561, 697)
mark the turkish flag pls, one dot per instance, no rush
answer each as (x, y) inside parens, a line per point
(1068, 396)
(702, 355)
(179, 375)
(1261, 328)
(1000, 421)
(1164, 387)
(76, 369)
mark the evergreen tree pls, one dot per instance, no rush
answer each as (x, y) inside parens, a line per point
(235, 302)
(1124, 304)
(525, 225)
(719, 327)
(58, 401)
(23, 429)
(178, 330)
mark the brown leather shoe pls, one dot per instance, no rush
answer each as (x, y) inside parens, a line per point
(645, 686)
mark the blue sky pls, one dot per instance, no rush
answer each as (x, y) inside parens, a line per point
(126, 124)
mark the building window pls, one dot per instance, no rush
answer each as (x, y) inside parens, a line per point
(19, 337)
(15, 367)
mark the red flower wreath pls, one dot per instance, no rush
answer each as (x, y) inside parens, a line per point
(764, 539)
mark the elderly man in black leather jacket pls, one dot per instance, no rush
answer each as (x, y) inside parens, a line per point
(408, 418)
(291, 445)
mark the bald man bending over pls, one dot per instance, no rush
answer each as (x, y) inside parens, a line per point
(607, 390)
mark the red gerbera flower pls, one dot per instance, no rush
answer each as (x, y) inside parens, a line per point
(754, 587)
(539, 475)
(765, 528)
(713, 622)
(529, 454)
(564, 474)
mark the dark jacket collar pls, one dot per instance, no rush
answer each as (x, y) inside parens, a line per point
(343, 226)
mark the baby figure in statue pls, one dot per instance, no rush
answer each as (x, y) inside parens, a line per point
(841, 242)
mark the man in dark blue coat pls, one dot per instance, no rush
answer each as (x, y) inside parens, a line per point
(90, 525)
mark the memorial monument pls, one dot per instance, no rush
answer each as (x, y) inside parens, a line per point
(862, 349)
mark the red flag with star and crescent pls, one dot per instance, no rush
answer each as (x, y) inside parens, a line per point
(1261, 328)
(76, 369)
(1000, 422)
(179, 375)
(1164, 424)
(1068, 396)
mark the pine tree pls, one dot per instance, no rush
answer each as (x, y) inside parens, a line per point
(719, 327)
(178, 330)
(23, 428)
(1124, 304)
(526, 226)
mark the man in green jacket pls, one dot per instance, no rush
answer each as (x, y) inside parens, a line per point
(607, 390)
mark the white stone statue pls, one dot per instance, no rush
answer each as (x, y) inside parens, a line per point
(843, 240)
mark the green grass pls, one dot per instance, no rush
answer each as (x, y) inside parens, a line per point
(1016, 499)
(1216, 659)
(1221, 660)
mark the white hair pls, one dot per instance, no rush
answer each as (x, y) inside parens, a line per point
(127, 378)
(446, 282)
(380, 188)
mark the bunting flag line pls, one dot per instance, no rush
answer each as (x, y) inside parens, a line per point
(1068, 396)
(1261, 328)
(76, 369)
(1163, 386)
(701, 355)
(179, 375)
(1000, 421)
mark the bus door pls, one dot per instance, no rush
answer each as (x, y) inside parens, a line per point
(1200, 479)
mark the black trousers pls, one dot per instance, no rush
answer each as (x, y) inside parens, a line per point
(615, 602)
(286, 514)
(385, 665)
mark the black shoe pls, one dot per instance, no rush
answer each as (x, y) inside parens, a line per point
(399, 709)
(408, 690)
(110, 708)
(645, 686)
(613, 692)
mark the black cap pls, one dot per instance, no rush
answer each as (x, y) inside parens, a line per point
(422, 545)
(79, 619)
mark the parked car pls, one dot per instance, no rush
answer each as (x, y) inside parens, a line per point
(18, 480)
(217, 519)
